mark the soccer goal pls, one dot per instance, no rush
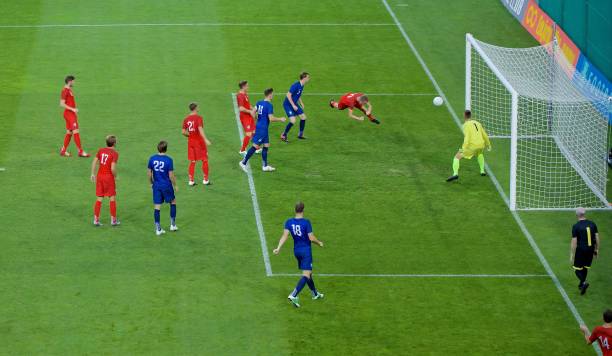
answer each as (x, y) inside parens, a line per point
(553, 121)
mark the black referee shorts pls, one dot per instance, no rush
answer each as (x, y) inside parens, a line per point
(583, 259)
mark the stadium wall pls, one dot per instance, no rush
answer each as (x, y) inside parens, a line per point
(541, 26)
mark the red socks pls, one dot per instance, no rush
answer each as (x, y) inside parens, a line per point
(191, 171)
(113, 210)
(66, 142)
(245, 143)
(97, 207)
(77, 141)
(205, 169)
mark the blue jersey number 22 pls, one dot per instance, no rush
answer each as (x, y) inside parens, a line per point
(158, 166)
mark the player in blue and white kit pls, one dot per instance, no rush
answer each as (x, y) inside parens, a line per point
(265, 112)
(301, 231)
(163, 183)
(294, 106)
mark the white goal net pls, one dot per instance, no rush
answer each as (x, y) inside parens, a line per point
(553, 122)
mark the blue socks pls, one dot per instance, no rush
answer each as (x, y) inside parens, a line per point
(172, 214)
(264, 156)
(300, 285)
(302, 126)
(287, 128)
(250, 153)
(312, 286)
(156, 216)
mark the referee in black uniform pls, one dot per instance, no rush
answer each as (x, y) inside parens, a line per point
(585, 245)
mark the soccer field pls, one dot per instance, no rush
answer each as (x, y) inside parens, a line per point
(411, 265)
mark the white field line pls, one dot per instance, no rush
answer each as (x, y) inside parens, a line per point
(417, 275)
(372, 94)
(2, 169)
(198, 24)
(260, 229)
(515, 215)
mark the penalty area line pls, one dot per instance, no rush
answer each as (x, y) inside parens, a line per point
(256, 211)
(534, 246)
(417, 275)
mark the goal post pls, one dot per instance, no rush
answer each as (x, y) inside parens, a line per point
(552, 121)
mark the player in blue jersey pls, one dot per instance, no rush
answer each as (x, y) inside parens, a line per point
(294, 106)
(163, 183)
(265, 112)
(301, 231)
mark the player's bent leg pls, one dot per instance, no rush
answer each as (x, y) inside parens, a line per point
(456, 164)
(290, 124)
(249, 154)
(481, 164)
(302, 127)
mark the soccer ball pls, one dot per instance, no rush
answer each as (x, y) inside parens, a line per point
(438, 101)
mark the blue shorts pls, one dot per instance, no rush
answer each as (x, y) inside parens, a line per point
(260, 138)
(289, 110)
(163, 195)
(304, 259)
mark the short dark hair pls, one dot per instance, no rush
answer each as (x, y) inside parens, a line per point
(268, 91)
(111, 140)
(69, 78)
(467, 114)
(299, 207)
(193, 106)
(607, 316)
(363, 99)
(242, 83)
(304, 75)
(162, 146)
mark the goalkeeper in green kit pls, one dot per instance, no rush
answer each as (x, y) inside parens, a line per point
(474, 142)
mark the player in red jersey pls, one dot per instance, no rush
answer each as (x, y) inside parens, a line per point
(355, 100)
(247, 114)
(70, 116)
(603, 334)
(193, 128)
(105, 180)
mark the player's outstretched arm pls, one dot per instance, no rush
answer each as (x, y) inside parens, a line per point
(587, 334)
(201, 129)
(94, 164)
(185, 133)
(596, 244)
(314, 239)
(369, 108)
(301, 103)
(278, 119)
(350, 114)
(281, 242)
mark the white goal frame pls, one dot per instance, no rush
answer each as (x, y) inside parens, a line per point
(470, 45)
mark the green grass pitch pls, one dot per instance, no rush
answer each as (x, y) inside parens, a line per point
(376, 194)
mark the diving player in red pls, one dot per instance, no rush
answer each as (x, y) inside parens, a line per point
(107, 157)
(247, 115)
(355, 100)
(193, 128)
(70, 116)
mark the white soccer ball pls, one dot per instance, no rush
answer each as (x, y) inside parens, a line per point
(438, 101)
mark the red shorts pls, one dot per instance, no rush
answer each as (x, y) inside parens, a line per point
(197, 152)
(248, 124)
(105, 186)
(71, 120)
